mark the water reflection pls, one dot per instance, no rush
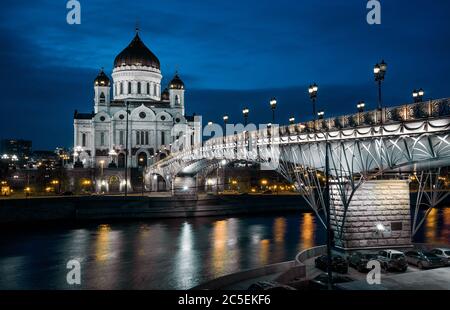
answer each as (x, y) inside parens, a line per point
(187, 267)
(307, 228)
(264, 251)
(219, 241)
(279, 231)
(102, 244)
(436, 228)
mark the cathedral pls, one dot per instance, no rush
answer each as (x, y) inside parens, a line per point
(133, 116)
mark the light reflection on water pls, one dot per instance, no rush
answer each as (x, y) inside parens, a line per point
(436, 228)
(165, 254)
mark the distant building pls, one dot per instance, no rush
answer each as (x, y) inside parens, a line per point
(15, 149)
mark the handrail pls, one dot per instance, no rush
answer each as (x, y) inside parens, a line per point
(386, 116)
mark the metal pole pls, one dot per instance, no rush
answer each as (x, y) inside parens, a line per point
(314, 108)
(273, 116)
(126, 154)
(327, 208)
(379, 94)
(143, 180)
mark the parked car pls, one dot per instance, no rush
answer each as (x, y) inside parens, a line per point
(338, 263)
(442, 253)
(321, 281)
(392, 260)
(269, 286)
(359, 260)
(423, 259)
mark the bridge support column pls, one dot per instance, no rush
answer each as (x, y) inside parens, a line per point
(185, 186)
(378, 216)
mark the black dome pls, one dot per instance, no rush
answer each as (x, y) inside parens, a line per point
(102, 79)
(165, 95)
(137, 53)
(176, 83)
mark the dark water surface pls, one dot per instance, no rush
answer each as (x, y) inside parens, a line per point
(164, 254)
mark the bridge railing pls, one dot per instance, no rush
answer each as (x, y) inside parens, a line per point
(388, 115)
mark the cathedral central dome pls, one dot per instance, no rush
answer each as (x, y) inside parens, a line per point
(136, 53)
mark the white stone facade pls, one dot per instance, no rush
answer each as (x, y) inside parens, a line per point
(378, 216)
(155, 118)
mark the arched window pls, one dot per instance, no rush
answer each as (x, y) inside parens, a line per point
(148, 88)
(139, 87)
(102, 139)
(102, 98)
(129, 87)
(154, 90)
(83, 140)
(177, 99)
(121, 88)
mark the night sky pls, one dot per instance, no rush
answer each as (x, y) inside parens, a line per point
(230, 54)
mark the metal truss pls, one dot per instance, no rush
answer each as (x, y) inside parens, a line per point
(430, 194)
(401, 137)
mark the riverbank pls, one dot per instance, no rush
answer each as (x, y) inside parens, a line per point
(142, 207)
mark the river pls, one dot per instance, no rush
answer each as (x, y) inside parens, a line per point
(164, 254)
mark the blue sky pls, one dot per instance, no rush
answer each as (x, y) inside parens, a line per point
(230, 54)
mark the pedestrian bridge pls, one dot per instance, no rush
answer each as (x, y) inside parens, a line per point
(413, 136)
(365, 210)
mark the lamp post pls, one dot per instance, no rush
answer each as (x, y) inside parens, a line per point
(327, 210)
(273, 106)
(126, 151)
(225, 121)
(379, 71)
(418, 95)
(142, 164)
(292, 120)
(245, 112)
(360, 106)
(321, 114)
(313, 89)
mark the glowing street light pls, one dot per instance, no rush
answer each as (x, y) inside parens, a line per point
(418, 95)
(321, 114)
(312, 90)
(292, 120)
(379, 71)
(245, 112)
(273, 106)
(360, 106)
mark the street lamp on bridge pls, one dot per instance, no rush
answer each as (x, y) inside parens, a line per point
(273, 106)
(292, 120)
(245, 112)
(379, 72)
(225, 119)
(313, 89)
(321, 114)
(361, 105)
(418, 95)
